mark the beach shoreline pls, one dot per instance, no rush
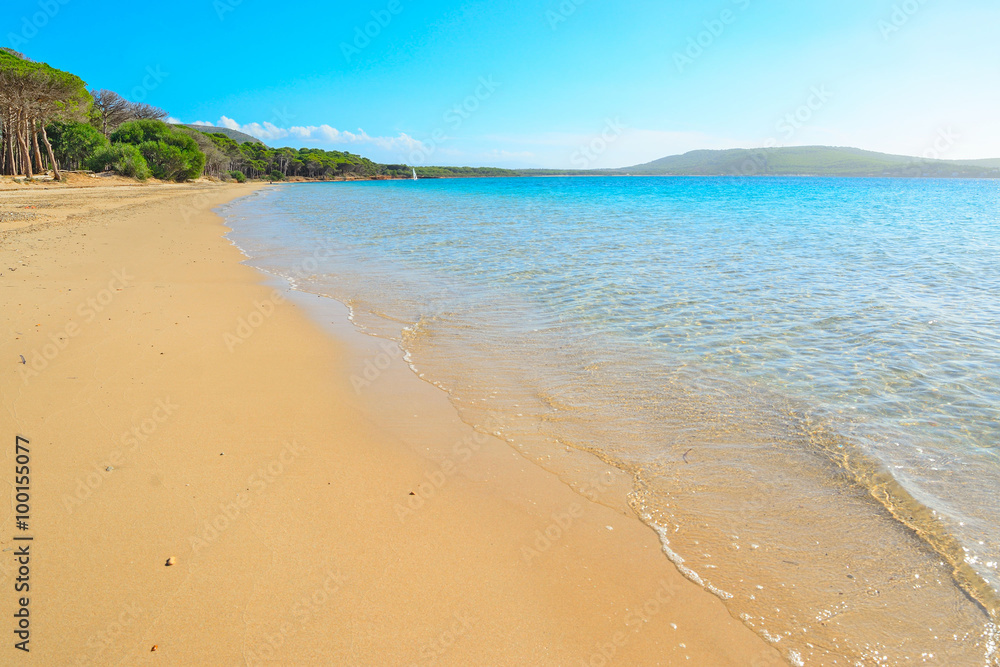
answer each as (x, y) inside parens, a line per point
(180, 404)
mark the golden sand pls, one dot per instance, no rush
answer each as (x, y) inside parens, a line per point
(180, 407)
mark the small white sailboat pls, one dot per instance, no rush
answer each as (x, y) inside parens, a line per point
(414, 173)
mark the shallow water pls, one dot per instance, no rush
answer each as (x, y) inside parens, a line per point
(802, 376)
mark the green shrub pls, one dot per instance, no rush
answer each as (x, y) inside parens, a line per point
(167, 162)
(138, 131)
(238, 175)
(216, 161)
(123, 159)
(276, 176)
(172, 155)
(74, 143)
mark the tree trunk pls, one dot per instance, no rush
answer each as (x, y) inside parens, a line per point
(52, 157)
(3, 145)
(39, 167)
(8, 147)
(22, 140)
(8, 140)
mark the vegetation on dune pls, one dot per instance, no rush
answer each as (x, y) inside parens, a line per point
(459, 172)
(43, 106)
(172, 154)
(102, 131)
(256, 160)
(73, 142)
(32, 95)
(123, 159)
(215, 160)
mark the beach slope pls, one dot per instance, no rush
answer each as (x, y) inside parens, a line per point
(174, 404)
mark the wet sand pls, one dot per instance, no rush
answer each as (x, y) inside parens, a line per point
(321, 503)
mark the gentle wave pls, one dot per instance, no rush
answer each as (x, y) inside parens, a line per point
(797, 374)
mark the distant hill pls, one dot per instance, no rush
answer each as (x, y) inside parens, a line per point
(993, 162)
(811, 161)
(235, 135)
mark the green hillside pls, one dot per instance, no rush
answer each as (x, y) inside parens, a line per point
(993, 162)
(810, 161)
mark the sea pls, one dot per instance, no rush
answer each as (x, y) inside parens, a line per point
(800, 377)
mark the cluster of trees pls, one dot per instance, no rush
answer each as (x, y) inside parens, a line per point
(31, 96)
(48, 118)
(136, 148)
(255, 160)
(98, 130)
(464, 172)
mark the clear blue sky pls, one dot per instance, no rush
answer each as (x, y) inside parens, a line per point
(917, 77)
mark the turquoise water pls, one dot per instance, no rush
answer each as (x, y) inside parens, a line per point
(801, 376)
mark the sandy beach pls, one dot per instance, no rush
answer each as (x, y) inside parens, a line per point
(321, 504)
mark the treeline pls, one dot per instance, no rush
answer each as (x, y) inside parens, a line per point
(226, 156)
(50, 120)
(461, 172)
(99, 130)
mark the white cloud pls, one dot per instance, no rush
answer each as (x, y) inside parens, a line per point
(551, 149)
(177, 121)
(324, 134)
